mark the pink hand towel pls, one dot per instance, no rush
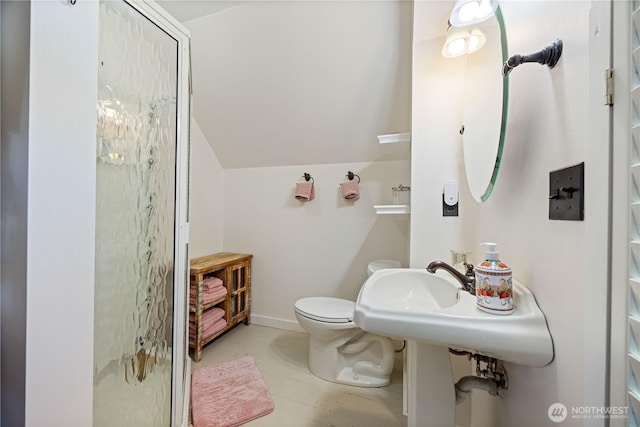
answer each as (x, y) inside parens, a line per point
(305, 191)
(211, 282)
(350, 190)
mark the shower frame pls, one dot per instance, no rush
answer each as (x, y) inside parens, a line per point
(180, 373)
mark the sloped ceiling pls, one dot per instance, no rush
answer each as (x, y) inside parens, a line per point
(300, 82)
(186, 10)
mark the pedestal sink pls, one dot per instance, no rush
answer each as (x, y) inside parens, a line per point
(415, 304)
(432, 311)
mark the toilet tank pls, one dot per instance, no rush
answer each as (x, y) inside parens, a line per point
(381, 264)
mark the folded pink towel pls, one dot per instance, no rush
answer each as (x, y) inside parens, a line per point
(350, 190)
(208, 297)
(207, 332)
(211, 282)
(208, 316)
(211, 290)
(218, 326)
(305, 191)
(206, 323)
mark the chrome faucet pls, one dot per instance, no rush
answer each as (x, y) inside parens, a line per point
(467, 280)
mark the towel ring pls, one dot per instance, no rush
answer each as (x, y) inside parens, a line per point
(308, 177)
(350, 175)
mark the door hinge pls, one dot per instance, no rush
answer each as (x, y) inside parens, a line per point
(608, 86)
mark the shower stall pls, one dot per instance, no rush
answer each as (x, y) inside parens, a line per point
(141, 217)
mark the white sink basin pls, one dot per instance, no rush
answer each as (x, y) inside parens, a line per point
(418, 305)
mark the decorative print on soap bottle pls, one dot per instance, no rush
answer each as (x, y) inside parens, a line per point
(494, 287)
(494, 291)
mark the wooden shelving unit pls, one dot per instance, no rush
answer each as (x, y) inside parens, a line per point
(235, 272)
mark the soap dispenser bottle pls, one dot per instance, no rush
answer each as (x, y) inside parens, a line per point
(493, 283)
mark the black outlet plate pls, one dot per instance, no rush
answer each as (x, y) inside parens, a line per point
(566, 193)
(449, 210)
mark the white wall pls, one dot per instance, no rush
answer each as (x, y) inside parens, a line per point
(437, 157)
(436, 154)
(316, 248)
(206, 196)
(556, 120)
(48, 108)
(302, 82)
(61, 216)
(283, 88)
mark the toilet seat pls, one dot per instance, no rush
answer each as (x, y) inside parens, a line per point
(325, 309)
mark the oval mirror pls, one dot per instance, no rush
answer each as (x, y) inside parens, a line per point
(485, 109)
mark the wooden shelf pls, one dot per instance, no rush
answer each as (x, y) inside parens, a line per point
(192, 307)
(235, 272)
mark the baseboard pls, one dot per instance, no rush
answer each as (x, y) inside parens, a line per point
(274, 322)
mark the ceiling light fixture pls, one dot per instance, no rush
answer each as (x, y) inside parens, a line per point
(461, 41)
(469, 12)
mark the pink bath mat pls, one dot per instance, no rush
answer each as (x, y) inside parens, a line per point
(229, 394)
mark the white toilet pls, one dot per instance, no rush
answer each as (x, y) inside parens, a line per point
(339, 351)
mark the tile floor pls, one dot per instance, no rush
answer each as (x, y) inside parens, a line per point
(300, 398)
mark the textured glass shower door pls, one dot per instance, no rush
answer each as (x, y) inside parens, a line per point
(136, 152)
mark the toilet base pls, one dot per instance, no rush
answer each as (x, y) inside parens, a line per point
(341, 352)
(349, 358)
(347, 376)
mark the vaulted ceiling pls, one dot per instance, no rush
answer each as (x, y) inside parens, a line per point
(299, 82)
(185, 10)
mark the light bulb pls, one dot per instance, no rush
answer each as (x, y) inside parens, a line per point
(484, 10)
(456, 47)
(477, 39)
(456, 43)
(460, 42)
(468, 11)
(473, 44)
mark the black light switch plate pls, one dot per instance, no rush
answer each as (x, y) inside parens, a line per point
(566, 193)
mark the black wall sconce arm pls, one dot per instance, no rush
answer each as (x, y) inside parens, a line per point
(547, 56)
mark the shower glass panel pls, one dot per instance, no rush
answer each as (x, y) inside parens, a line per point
(135, 219)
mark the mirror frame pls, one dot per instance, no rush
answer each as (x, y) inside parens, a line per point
(505, 107)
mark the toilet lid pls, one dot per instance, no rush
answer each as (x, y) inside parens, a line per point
(324, 309)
